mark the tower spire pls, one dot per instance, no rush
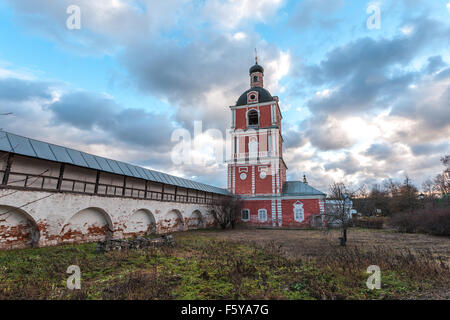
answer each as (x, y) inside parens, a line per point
(256, 73)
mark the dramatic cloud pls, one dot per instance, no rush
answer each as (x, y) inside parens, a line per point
(427, 103)
(325, 133)
(379, 151)
(431, 149)
(88, 111)
(380, 105)
(349, 165)
(93, 122)
(368, 74)
(105, 25)
(364, 107)
(12, 89)
(202, 78)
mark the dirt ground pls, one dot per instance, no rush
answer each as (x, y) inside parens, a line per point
(311, 243)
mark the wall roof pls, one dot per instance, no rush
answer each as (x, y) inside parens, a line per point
(10, 142)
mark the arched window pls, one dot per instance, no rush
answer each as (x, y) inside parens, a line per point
(253, 118)
(255, 78)
(299, 212)
(253, 147)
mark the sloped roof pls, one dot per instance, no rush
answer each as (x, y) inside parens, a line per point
(10, 142)
(298, 188)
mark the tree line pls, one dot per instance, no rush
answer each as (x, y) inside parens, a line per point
(392, 197)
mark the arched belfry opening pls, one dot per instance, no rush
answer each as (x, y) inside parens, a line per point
(253, 118)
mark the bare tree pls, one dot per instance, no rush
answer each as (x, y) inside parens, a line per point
(337, 208)
(442, 181)
(427, 187)
(226, 211)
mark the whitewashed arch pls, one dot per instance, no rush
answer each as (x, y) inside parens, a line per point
(140, 222)
(90, 224)
(172, 221)
(196, 220)
(18, 229)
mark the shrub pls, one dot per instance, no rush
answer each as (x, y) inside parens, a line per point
(435, 221)
(369, 223)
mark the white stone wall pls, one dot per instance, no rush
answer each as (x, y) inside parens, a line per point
(48, 218)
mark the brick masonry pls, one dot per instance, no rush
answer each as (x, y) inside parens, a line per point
(310, 207)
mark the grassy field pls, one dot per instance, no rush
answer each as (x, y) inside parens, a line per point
(238, 264)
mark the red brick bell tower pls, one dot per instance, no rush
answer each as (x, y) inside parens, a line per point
(256, 169)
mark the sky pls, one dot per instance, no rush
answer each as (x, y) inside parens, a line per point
(364, 87)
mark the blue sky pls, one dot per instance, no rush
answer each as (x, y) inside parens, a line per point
(360, 105)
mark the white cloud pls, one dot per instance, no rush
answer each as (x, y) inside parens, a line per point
(105, 25)
(407, 29)
(232, 13)
(275, 70)
(323, 93)
(239, 36)
(135, 27)
(7, 72)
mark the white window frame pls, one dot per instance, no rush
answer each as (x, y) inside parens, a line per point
(256, 94)
(263, 212)
(242, 211)
(299, 205)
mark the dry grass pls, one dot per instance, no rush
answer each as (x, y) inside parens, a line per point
(423, 259)
(313, 243)
(238, 264)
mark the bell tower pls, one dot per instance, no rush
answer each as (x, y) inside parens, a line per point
(256, 166)
(256, 169)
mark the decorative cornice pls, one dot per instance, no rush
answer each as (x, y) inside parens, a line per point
(268, 103)
(279, 197)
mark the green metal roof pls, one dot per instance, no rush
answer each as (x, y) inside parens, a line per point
(298, 188)
(10, 142)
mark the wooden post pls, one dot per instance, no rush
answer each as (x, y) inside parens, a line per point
(61, 175)
(162, 194)
(97, 180)
(146, 189)
(124, 185)
(176, 188)
(8, 168)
